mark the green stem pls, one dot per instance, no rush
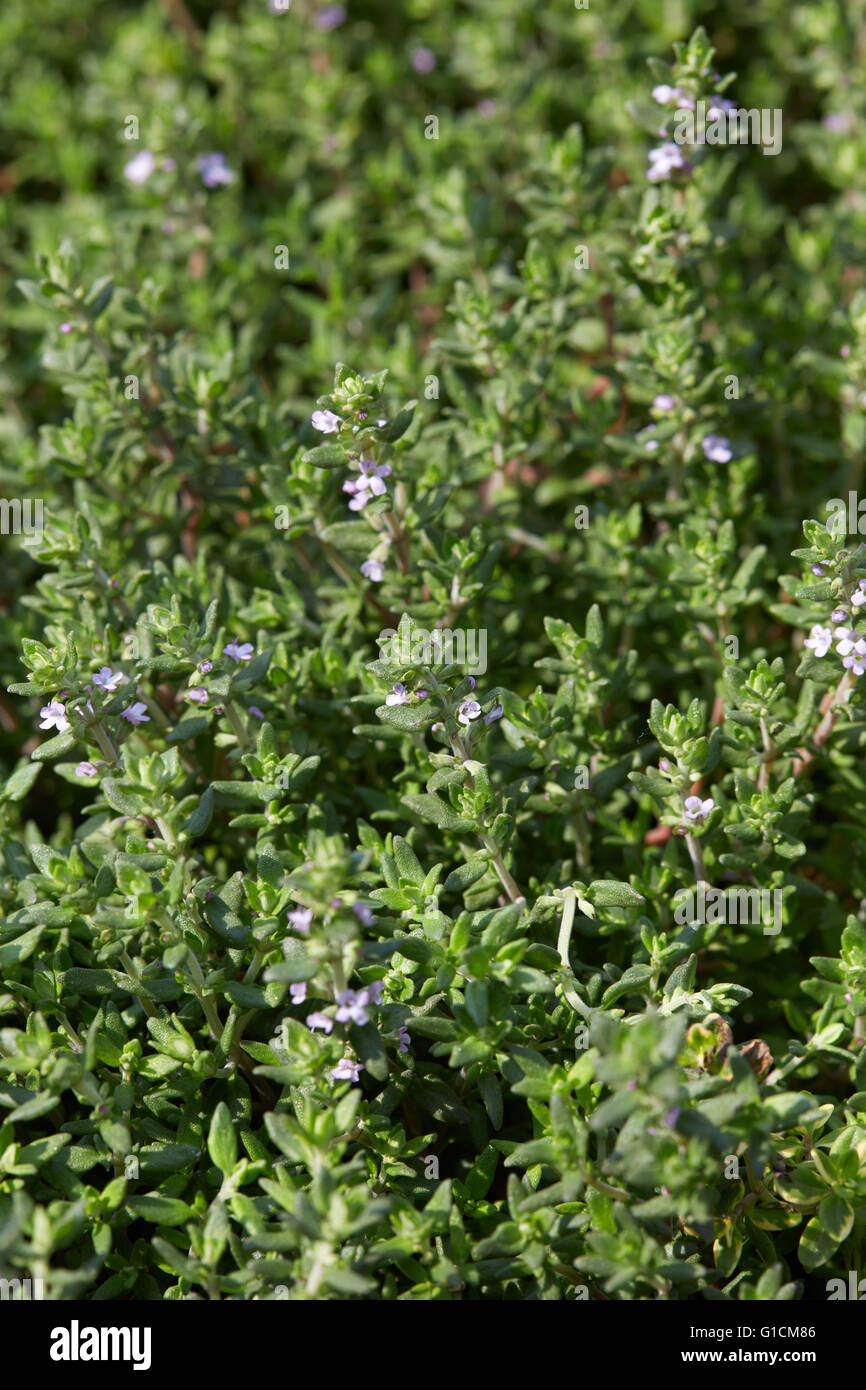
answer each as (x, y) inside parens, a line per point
(132, 970)
(563, 944)
(235, 721)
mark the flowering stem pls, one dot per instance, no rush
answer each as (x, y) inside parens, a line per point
(235, 721)
(255, 966)
(697, 858)
(133, 972)
(339, 977)
(563, 944)
(826, 726)
(581, 838)
(606, 1188)
(106, 746)
(398, 536)
(768, 758)
(502, 872)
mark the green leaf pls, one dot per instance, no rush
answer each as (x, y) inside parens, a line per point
(119, 799)
(159, 1211)
(22, 947)
(326, 456)
(436, 811)
(22, 779)
(222, 1144)
(200, 819)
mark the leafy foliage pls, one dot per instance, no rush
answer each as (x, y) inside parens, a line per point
(433, 862)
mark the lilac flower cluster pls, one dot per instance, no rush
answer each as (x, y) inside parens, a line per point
(213, 168)
(668, 159)
(850, 644)
(54, 715)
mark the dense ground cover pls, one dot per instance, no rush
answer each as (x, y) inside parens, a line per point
(331, 967)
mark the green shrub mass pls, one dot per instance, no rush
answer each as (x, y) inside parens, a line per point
(433, 807)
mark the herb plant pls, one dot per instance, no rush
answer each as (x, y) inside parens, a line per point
(433, 796)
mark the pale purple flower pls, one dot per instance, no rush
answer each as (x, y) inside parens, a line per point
(846, 639)
(108, 680)
(139, 169)
(85, 770)
(298, 992)
(854, 660)
(487, 108)
(398, 695)
(665, 160)
(326, 422)
(650, 445)
(696, 809)
(838, 615)
(820, 639)
(376, 990)
(373, 570)
(347, 1070)
(197, 694)
(469, 710)
(369, 483)
(300, 918)
(331, 17)
(837, 122)
(66, 328)
(664, 94)
(352, 1006)
(720, 106)
(169, 165)
(686, 103)
(320, 1020)
(495, 713)
(664, 765)
(717, 448)
(54, 716)
(423, 60)
(403, 1038)
(214, 170)
(845, 351)
(817, 570)
(205, 667)
(136, 713)
(239, 651)
(364, 914)
(858, 598)
(664, 402)
(255, 712)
